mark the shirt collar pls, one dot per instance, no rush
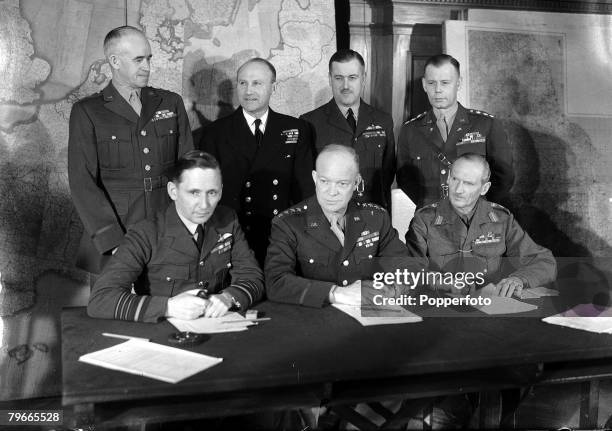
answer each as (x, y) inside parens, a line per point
(449, 113)
(329, 216)
(251, 120)
(125, 91)
(191, 226)
(355, 108)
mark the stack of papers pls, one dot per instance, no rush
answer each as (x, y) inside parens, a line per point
(586, 317)
(151, 360)
(231, 322)
(383, 315)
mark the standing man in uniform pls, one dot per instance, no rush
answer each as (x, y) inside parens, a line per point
(431, 141)
(121, 141)
(266, 156)
(321, 249)
(465, 232)
(348, 120)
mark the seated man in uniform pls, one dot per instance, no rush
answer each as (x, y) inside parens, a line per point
(321, 249)
(465, 232)
(194, 254)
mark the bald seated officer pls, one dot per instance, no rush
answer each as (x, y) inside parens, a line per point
(197, 260)
(465, 232)
(321, 249)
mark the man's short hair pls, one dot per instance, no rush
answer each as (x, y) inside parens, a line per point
(477, 158)
(441, 59)
(190, 160)
(259, 60)
(113, 36)
(345, 55)
(337, 148)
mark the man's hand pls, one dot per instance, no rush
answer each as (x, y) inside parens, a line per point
(348, 295)
(447, 287)
(186, 306)
(218, 305)
(509, 286)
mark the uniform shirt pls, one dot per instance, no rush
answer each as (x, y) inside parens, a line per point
(305, 259)
(420, 170)
(373, 141)
(165, 248)
(117, 161)
(251, 121)
(437, 233)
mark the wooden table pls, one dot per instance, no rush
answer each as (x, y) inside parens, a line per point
(305, 357)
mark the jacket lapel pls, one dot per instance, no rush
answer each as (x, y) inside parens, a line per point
(182, 241)
(242, 138)
(211, 236)
(271, 145)
(117, 104)
(317, 226)
(364, 118)
(458, 129)
(430, 129)
(354, 224)
(150, 101)
(335, 117)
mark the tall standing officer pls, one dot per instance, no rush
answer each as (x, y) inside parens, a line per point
(430, 142)
(121, 140)
(266, 156)
(348, 120)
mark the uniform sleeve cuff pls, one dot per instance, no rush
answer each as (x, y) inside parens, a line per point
(107, 238)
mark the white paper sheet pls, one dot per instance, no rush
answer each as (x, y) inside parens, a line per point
(505, 305)
(151, 360)
(387, 315)
(538, 292)
(208, 325)
(586, 317)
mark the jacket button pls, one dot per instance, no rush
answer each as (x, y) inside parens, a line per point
(168, 279)
(113, 137)
(275, 181)
(275, 212)
(229, 264)
(310, 260)
(249, 213)
(171, 132)
(201, 263)
(201, 283)
(274, 197)
(369, 256)
(143, 132)
(345, 263)
(344, 282)
(443, 171)
(147, 168)
(247, 199)
(145, 150)
(247, 184)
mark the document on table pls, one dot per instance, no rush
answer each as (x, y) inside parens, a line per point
(537, 292)
(502, 304)
(587, 317)
(379, 315)
(153, 360)
(231, 322)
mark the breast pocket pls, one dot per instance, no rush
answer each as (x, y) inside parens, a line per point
(169, 279)
(314, 266)
(443, 255)
(166, 131)
(491, 254)
(115, 150)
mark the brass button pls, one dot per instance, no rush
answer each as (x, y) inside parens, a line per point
(143, 132)
(201, 283)
(201, 263)
(344, 282)
(345, 263)
(274, 197)
(147, 168)
(145, 150)
(113, 137)
(247, 184)
(249, 213)
(247, 199)
(443, 171)
(311, 260)
(168, 279)
(275, 182)
(275, 212)
(171, 131)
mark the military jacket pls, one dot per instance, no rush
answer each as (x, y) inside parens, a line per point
(259, 183)
(494, 244)
(423, 157)
(305, 259)
(116, 164)
(373, 141)
(169, 256)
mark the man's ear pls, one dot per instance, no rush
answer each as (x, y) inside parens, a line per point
(172, 192)
(459, 83)
(314, 176)
(485, 188)
(113, 60)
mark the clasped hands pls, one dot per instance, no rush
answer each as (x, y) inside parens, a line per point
(188, 305)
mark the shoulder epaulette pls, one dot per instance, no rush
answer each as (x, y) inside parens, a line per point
(483, 113)
(494, 217)
(421, 115)
(427, 207)
(293, 211)
(370, 205)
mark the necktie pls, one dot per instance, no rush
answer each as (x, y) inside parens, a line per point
(258, 134)
(135, 102)
(351, 120)
(335, 227)
(443, 127)
(200, 239)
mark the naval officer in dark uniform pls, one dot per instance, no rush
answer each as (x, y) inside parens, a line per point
(348, 120)
(121, 141)
(321, 249)
(266, 157)
(193, 246)
(465, 232)
(430, 142)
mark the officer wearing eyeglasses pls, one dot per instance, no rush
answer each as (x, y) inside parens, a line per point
(323, 248)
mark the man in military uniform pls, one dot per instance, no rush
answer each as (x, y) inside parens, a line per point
(465, 232)
(431, 141)
(194, 254)
(266, 156)
(321, 249)
(348, 120)
(121, 141)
